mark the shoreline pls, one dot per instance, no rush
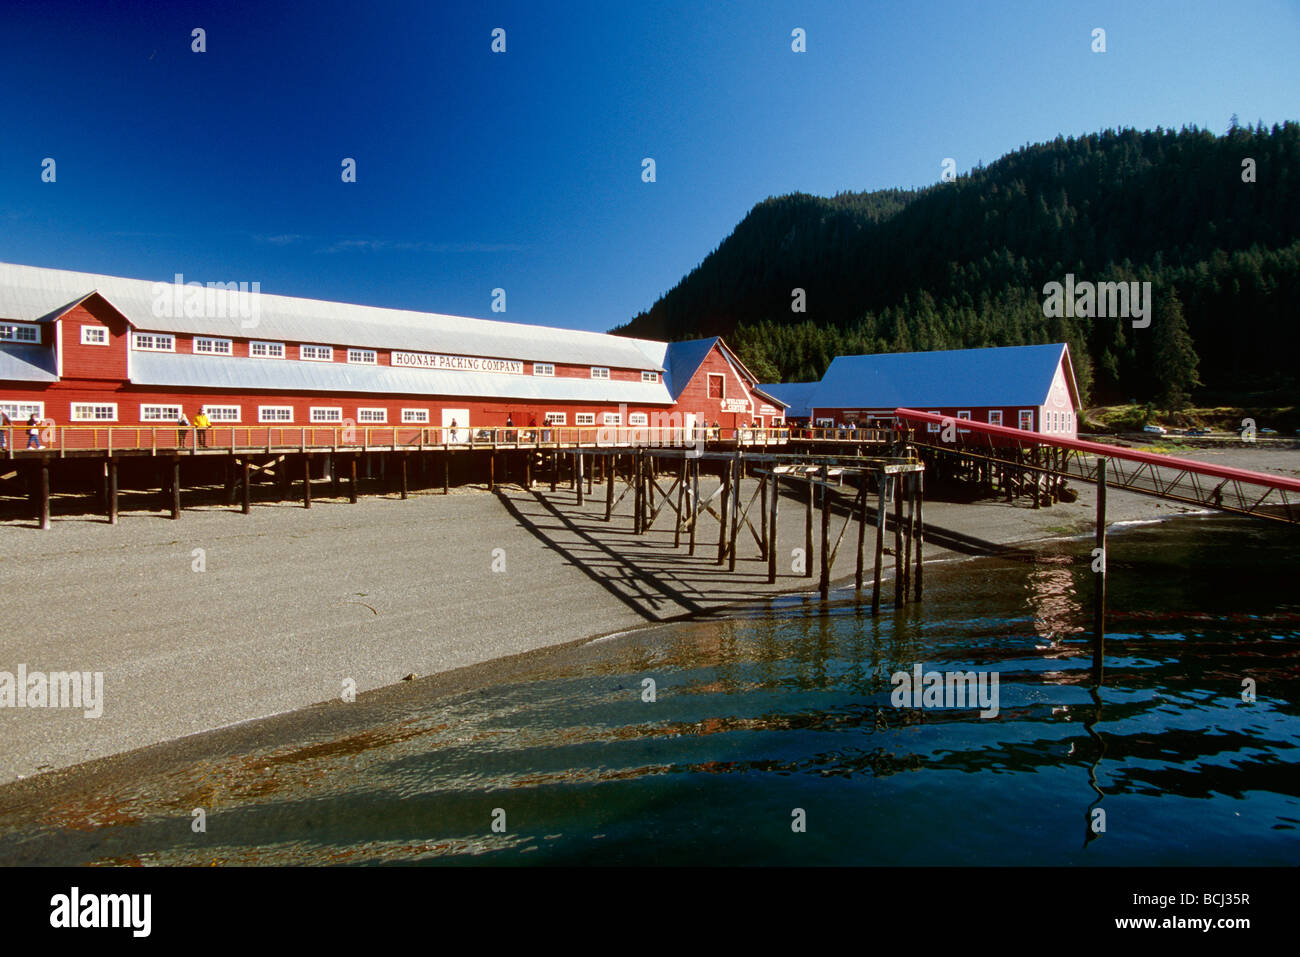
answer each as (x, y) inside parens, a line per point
(173, 673)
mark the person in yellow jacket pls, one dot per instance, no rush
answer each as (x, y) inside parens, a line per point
(201, 424)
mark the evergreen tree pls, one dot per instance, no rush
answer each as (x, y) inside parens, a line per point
(1175, 357)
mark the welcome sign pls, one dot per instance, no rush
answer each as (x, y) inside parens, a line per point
(429, 360)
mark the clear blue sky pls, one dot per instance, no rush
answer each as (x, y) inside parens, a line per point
(522, 170)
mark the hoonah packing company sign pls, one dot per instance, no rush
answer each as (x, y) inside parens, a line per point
(428, 360)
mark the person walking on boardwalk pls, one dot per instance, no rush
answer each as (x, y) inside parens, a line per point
(34, 432)
(201, 423)
(182, 426)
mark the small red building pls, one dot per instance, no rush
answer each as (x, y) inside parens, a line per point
(1025, 387)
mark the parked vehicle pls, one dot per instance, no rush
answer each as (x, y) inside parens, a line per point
(1155, 429)
(1197, 432)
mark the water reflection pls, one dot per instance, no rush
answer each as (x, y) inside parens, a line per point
(756, 715)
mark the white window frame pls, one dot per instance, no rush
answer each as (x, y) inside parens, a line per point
(638, 418)
(649, 376)
(15, 409)
(544, 368)
(964, 414)
(995, 416)
(173, 412)
(325, 415)
(220, 413)
(381, 415)
(94, 335)
(217, 347)
(156, 342)
(415, 417)
(327, 353)
(263, 411)
(363, 357)
(612, 418)
(932, 426)
(824, 424)
(584, 418)
(78, 413)
(9, 332)
(599, 372)
(271, 349)
(1021, 418)
(562, 418)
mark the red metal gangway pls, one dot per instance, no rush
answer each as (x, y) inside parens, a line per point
(1243, 492)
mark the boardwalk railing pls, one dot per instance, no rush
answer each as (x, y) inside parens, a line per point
(169, 439)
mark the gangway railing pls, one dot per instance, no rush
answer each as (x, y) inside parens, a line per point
(1241, 491)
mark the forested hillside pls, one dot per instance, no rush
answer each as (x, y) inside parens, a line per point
(963, 264)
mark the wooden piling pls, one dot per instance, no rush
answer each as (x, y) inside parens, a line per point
(43, 494)
(824, 585)
(738, 466)
(695, 505)
(1099, 590)
(722, 514)
(762, 517)
(112, 491)
(611, 472)
(862, 532)
(882, 497)
(352, 479)
(771, 526)
(808, 531)
(176, 488)
(579, 462)
(446, 473)
(681, 503)
(306, 481)
(899, 561)
(404, 490)
(920, 531)
(248, 501)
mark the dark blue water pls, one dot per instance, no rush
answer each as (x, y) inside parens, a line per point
(788, 711)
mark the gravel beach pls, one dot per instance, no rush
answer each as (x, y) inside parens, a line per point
(290, 604)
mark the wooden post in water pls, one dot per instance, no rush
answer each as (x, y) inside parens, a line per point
(807, 531)
(43, 494)
(306, 481)
(579, 461)
(824, 585)
(910, 485)
(1099, 591)
(722, 521)
(681, 504)
(112, 491)
(695, 504)
(611, 470)
(900, 563)
(862, 533)
(771, 525)
(762, 516)
(881, 499)
(247, 503)
(176, 488)
(920, 530)
(738, 466)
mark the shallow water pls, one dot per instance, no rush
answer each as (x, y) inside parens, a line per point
(790, 708)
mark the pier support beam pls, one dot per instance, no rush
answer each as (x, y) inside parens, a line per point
(900, 563)
(1099, 590)
(247, 505)
(824, 583)
(722, 522)
(881, 498)
(738, 466)
(404, 489)
(681, 505)
(771, 527)
(611, 471)
(112, 491)
(807, 532)
(920, 531)
(862, 534)
(176, 488)
(43, 494)
(695, 505)
(306, 481)
(579, 463)
(352, 479)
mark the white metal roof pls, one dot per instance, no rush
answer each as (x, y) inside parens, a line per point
(293, 375)
(34, 294)
(20, 363)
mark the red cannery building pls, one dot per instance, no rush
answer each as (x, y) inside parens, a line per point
(80, 349)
